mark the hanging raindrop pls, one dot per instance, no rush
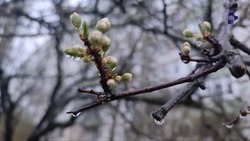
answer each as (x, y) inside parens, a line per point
(198, 43)
(77, 59)
(229, 125)
(242, 116)
(75, 114)
(67, 56)
(159, 122)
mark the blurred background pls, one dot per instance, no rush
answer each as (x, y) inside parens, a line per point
(38, 84)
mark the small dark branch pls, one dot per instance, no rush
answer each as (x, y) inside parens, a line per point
(242, 114)
(99, 64)
(84, 108)
(165, 17)
(163, 110)
(186, 79)
(217, 46)
(248, 73)
(89, 92)
(199, 60)
(187, 59)
(237, 44)
(160, 114)
(102, 70)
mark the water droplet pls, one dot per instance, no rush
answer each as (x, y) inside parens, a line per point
(198, 43)
(67, 56)
(242, 116)
(75, 114)
(77, 59)
(159, 122)
(229, 125)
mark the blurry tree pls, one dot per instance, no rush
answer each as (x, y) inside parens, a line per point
(39, 84)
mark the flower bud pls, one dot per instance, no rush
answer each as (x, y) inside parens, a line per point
(76, 19)
(199, 37)
(111, 61)
(118, 78)
(112, 84)
(185, 50)
(205, 28)
(103, 25)
(105, 43)
(188, 33)
(127, 76)
(95, 38)
(186, 44)
(86, 59)
(76, 51)
(206, 25)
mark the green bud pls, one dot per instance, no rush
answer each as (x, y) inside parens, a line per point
(185, 50)
(85, 29)
(112, 84)
(186, 44)
(111, 61)
(86, 59)
(199, 37)
(76, 19)
(127, 76)
(206, 25)
(76, 51)
(205, 28)
(95, 38)
(103, 25)
(118, 78)
(188, 33)
(105, 43)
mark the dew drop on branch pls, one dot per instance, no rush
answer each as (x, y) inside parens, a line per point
(229, 125)
(67, 56)
(76, 58)
(75, 114)
(242, 116)
(159, 122)
(198, 43)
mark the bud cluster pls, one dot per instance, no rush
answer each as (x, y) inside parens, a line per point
(97, 44)
(185, 50)
(205, 28)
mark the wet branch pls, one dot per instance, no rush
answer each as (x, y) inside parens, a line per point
(120, 95)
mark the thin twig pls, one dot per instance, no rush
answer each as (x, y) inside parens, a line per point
(237, 44)
(89, 92)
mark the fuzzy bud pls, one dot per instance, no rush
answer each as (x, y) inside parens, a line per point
(95, 38)
(118, 78)
(205, 28)
(86, 59)
(206, 25)
(188, 33)
(112, 84)
(103, 25)
(127, 76)
(105, 43)
(76, 19)
(186, 44)
(76, 51)
(111, 61)
(185, 50)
